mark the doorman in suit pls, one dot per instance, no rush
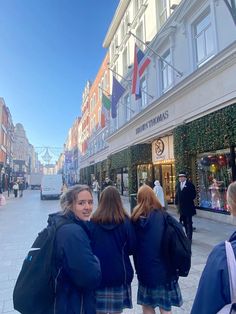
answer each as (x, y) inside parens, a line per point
(184, 199)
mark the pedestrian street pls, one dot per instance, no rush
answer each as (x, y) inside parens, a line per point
(22, 218)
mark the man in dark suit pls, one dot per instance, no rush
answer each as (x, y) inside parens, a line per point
(184, 199)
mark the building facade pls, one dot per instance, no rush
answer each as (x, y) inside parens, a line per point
(185, 118)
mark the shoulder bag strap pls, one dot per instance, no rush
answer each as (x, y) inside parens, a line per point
(231, 263)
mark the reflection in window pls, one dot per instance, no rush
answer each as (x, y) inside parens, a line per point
(214, 176)
(127, 107)
(203, 37)
(163, 11)
(143, 84)
(166, 71)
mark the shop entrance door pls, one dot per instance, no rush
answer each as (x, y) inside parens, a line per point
(165, 173)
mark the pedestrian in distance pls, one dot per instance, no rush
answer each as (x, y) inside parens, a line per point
(15, 188)
(209, 300)
(96, 188)
(113, 240)
(21, 188)
(106, 183)
(156, 286)
(184, 200)
(158, 190)
(79, 269)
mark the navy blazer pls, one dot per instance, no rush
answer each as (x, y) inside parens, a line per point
(112, 244)
(149, 261)
(213, 291)
(79, 269)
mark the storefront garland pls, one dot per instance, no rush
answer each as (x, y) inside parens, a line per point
(212, 132)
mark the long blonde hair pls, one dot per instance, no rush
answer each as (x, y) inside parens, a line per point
(146, 202)
(231, 197)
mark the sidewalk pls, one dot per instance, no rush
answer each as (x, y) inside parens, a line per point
(208, 233)
(22, 218)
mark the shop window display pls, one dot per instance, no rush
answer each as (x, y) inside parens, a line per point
(214, 176)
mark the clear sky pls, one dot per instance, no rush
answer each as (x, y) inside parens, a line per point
(48, 51)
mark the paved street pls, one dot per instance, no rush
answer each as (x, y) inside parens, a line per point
(22, 218)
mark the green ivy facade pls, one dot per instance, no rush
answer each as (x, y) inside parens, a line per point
(209, 133)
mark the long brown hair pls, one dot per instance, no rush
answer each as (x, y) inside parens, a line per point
(146, 202)
(110, 208)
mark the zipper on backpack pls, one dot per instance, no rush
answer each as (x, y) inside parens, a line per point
(55, 281)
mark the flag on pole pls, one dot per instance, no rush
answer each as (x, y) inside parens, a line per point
(106, 102)
(117, 91)
(140, 64)
(105, 114)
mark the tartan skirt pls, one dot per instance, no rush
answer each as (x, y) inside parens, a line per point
(163, 296)
(113, 299)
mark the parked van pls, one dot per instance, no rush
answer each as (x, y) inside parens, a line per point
(51, 186)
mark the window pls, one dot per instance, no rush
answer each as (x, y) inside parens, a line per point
(143, 85)
(137, 5)
(166, 71)
(105, 82)
(125, 61)
(139, 33)
(203, 39)
(163, 11)
(100, 91)
(127, 107)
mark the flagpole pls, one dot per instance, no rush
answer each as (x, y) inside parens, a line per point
(179, 73)
(129, 81)
(105, 91)
(109, 95)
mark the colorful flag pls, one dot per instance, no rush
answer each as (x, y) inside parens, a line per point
(140, 65)
(117, 91)
(106, 102)
(105, 114)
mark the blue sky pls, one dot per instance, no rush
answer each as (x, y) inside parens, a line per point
(48, 51)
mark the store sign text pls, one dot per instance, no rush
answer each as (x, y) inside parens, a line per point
(149, 124)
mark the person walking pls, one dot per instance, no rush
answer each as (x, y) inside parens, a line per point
(209, 300)
(158, 190)
(184, 199)
(96, 188)
(15, 188)
(156, 286)
(78, 269)
(106, 183)
(113, 240)
(21, 188)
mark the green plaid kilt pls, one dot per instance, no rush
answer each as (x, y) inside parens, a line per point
(161, 296)
(113, 299)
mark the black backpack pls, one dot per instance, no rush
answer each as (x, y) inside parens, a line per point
(34, 292)
(176, 247)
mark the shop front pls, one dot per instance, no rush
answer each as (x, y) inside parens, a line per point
(122, 181)
(214, 176)
(164, 166)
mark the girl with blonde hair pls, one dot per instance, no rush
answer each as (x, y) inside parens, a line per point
(157, 287)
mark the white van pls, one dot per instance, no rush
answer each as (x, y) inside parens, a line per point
(51, 186)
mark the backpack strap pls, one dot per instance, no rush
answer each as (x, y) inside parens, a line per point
(231, 263)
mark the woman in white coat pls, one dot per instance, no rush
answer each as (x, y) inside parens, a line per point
(158, 190)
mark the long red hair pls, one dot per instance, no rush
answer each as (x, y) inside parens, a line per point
(146, 202)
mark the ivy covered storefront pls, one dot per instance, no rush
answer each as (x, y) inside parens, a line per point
(206, 149)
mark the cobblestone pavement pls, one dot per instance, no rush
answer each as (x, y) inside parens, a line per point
(22, 218)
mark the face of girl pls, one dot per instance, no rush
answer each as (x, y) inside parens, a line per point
(84, 205)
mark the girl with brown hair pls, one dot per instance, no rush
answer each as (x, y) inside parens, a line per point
(113, 240)
(157, 288)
